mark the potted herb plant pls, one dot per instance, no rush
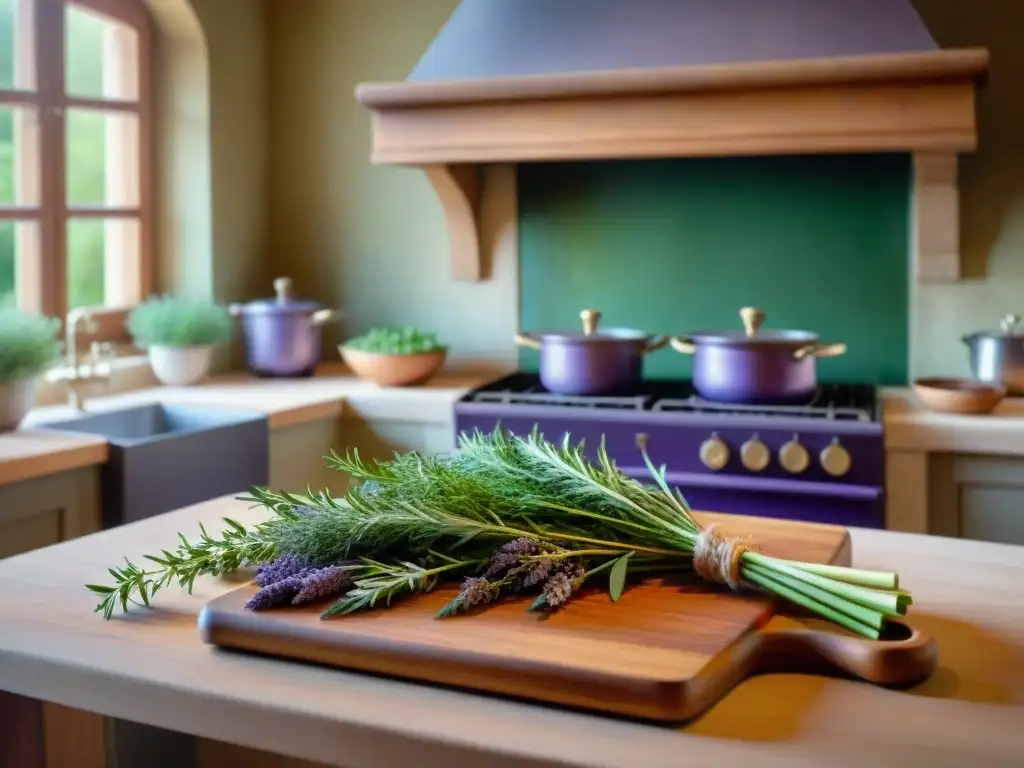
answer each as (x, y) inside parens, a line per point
(394, 357)
(179, 335)
(28, 346)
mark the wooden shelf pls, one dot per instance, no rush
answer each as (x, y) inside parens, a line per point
(910, 102)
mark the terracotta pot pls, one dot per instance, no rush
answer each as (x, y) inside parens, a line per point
(393, 370)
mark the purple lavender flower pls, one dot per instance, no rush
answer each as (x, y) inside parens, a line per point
(476, 591)
(521, 546)
(508, 556)
(500, 563)
(280, 569)
(322, 582)
(538, 571)
(275, 593)
(557, 589)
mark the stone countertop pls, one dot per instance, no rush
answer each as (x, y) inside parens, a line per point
(911, 427)
(150, 666)
(31, 452)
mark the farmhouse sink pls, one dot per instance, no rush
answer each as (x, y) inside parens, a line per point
(164, 457)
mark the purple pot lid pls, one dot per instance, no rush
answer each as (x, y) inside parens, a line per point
(282, 304)
(740, 338)
(601, 337)
(752, 334)
(591, 335)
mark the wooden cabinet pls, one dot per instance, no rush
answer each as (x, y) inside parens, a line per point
(977, 497)
(46, 510)
(297, 456)
(297, 452)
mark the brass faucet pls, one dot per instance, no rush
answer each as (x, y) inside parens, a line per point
(80, 377)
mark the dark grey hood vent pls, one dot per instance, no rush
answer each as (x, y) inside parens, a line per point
(512, 38)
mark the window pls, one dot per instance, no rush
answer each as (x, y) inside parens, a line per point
(75, 204)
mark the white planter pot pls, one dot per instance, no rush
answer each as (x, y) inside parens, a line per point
(180, 366)
(16, 400)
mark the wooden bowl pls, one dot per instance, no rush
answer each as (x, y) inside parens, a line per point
(393, 370)
(965, 396)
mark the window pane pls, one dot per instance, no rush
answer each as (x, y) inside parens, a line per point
(102, 158)
(19, 156)
(101, 56)
(19, 262)
(17, 45)
(103, 262)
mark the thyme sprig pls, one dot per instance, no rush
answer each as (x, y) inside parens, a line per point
(506, 514)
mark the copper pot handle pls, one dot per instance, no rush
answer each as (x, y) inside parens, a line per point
(683, 346)
(656, 343)
(526, 340)
(820, 350)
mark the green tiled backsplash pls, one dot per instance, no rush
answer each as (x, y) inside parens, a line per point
(671, 246)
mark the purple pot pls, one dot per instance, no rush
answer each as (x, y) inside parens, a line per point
(592, 362)
(756, 366)
(282, 335)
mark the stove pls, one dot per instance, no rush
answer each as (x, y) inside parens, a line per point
(823, 461)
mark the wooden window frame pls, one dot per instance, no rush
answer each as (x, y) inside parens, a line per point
(41, 164)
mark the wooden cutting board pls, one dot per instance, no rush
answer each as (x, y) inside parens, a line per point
(665, 651)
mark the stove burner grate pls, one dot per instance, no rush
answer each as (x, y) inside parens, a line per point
(833, 401)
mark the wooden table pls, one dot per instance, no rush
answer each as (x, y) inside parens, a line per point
(150, 667)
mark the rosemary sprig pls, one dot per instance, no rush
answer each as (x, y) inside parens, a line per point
(235, 548)
(382, 582)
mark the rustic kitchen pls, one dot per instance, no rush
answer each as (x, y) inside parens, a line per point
(668, 351)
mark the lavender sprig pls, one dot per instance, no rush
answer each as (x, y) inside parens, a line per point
(280, 569)
(305, 586)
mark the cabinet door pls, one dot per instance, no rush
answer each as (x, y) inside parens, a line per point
(977, 497)
(46, 510)
(298, 457)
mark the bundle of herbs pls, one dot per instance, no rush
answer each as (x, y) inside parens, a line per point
(508, 515)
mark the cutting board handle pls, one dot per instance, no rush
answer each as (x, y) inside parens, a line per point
(906, 656)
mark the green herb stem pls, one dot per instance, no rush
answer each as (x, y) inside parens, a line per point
(799, 598)
(886, 603)
(857, 576)
(873, 619)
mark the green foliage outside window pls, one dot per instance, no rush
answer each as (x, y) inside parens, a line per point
(85, 155)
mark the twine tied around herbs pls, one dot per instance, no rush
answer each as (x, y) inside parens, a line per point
(716, 557)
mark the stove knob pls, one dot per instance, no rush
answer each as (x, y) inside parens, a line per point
(793, 457)
(755, 455)
(714, 453)
(835, 459)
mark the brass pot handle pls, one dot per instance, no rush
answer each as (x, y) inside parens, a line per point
(752, 320)
(820, 350)
(683, 346)
(526, 340)
(656, 343)
(590, 318)
(324, 316)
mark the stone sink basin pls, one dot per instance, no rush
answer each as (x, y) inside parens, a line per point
(165, 457)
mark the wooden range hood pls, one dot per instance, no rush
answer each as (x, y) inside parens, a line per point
(918, 101)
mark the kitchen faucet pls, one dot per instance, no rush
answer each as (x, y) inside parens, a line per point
(77, 376)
